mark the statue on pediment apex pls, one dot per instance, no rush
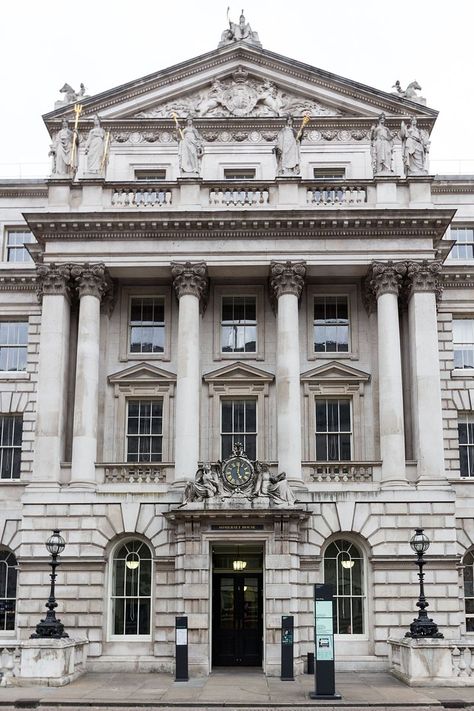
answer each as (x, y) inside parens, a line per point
(238, 32)
(410, 92)
(70, 96)
(381, 144)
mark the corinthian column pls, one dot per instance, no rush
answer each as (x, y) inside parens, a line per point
(385, 281)
(286, 284)
(53, 283)
(92, 283)
(191, 284)
(423, 285)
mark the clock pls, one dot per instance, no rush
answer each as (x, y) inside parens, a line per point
(237, 472)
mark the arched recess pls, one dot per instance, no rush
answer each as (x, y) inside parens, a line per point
(130, 589)
(8, 591)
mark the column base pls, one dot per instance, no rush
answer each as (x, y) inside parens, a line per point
(425, 482)
(394, 484)
(83, 485)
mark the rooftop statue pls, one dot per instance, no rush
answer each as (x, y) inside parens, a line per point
(70, 96)
(381, 142)
(241, 32)
(410, 92)
(62, 153)
(287, 149)
(94, 148)
(415, 147)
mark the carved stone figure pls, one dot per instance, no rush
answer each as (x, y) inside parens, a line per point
(70, 96)
(415, 147)
(213, 98)
(287, 150)
(205, 485)
(64, 164)
(409, 92)
(190, 149)
(270, 98)
(381, 140)
(94, 148)
(279, 490)
(239, 32)
(262, 480)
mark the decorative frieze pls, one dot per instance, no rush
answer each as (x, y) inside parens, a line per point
(91, 280)
(287, 278)
(190, 278)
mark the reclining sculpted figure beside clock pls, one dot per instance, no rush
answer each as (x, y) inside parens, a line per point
(239, 477)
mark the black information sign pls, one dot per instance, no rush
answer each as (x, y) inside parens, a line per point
(181, 649)
(287, 635)
(324, 643)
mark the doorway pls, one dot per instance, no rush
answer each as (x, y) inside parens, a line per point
(237, 605)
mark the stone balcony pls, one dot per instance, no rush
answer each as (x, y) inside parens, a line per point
(281, 193)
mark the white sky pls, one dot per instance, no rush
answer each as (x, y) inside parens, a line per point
(104, 43)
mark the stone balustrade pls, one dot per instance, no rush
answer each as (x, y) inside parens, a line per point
(336, 195)
(342, 471)
(141, 197)
(436, 662)
(239, 196)
(134, 473)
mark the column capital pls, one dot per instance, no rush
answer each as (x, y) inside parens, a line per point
(287, 278)
(191, 278)
(385, 278)
(53, 279)
(424, 276)
(91, 280)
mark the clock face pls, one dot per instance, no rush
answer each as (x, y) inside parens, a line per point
(237, 472)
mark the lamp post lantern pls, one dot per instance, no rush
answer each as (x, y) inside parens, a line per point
(50, 627)
(422, 626)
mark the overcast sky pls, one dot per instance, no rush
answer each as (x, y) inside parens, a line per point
(104, 43)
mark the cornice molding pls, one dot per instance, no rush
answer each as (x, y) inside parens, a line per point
(18, 282)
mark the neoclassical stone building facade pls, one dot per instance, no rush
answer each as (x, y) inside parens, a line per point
(198, 272)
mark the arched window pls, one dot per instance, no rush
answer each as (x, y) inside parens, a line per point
(131, 589)
(344, 569)
(8, 575)
(468, 563)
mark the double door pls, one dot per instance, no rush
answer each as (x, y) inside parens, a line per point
(237, 624)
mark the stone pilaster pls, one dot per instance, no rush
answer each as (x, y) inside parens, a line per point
(93, 283)
(422, 288)
(54, 290)
(385, 281)
(286, 285)
(190, 282)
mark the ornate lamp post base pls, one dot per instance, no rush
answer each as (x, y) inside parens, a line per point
(422, 626)
(50, 627)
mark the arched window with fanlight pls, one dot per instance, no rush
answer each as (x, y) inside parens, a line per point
(344, 570)
(468, 574)
(131, 589)
(8, 576)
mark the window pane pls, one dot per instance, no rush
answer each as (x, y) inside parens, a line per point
(226, 416)
(146, 329)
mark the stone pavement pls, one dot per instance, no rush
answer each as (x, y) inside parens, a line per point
(232, 690)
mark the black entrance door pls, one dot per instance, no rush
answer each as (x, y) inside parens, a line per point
(237, 619)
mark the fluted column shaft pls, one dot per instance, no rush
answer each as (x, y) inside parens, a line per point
(190, 283)
(385, 280)
(423, 285)
(92, 283)
(53, 283)
(286, 284)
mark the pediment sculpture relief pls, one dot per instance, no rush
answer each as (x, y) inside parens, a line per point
(239, 96)
(239, 478)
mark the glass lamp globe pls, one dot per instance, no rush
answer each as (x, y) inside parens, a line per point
(55, 543)
(420, 542)
(132, 561)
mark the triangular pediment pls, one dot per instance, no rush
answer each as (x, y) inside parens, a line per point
(239, 81)
(141, 373)
(238, 372)
(335, 372)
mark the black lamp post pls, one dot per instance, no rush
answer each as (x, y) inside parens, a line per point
(50, 627)
(422, 626)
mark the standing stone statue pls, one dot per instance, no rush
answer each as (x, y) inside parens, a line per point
(287, 150)
(415, 148)
(381, 141)
(64, 164)
(190, 149)
(94, 148)
(239, 32)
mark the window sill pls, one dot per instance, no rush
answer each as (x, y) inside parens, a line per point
(462, 373)
(144, 357)
(335, 355)
(130, 638)
(14, 375)
(239, 356)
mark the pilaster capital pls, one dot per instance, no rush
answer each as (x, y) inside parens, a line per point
(53, 279)
(286, 278)
(91, 280)
(385, 278)
(424, 276)
(191, 278)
